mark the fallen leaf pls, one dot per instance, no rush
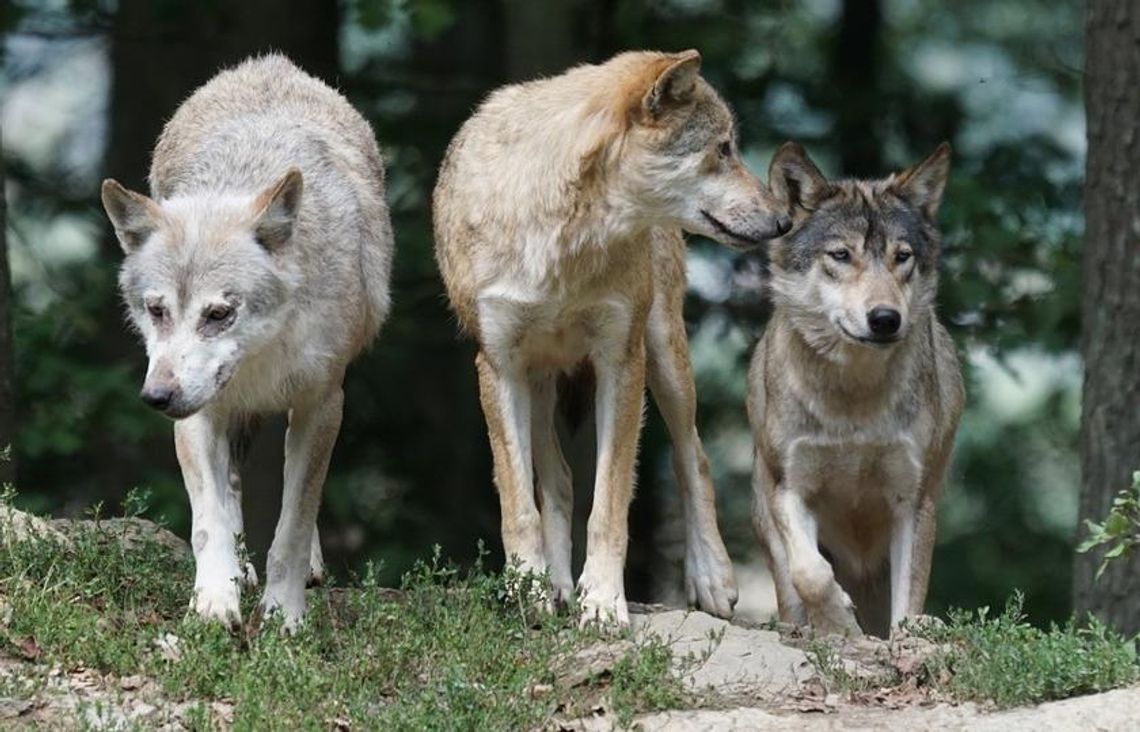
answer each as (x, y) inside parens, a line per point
(29, 649)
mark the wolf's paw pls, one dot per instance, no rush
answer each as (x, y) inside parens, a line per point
(562, 593)
(709, 580)
(218, 602)
(249, 576)
(601, 601)
(836, 617)
(286, 603)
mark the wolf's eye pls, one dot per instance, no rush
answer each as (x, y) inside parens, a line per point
(156, 310)
(725, 149)
(902, 256)
(218, 313)
(840, 255)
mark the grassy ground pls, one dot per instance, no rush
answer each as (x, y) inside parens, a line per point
(997, 660)
(1005, 660)
(450, 651)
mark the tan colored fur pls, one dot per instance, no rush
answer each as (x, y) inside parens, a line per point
(557, 216)
(853, 435)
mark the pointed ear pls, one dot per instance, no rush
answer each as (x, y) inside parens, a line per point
(275, 209)
(134, 216)
(795, 179)
(922, 185)
(673, 86)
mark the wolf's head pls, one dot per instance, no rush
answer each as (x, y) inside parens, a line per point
(679, 156)
(860, 265)
(202, 279)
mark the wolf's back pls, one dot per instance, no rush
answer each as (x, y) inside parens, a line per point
(243, 129)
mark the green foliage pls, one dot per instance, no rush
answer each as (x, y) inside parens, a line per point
(451, 650)
(1120, 530)
(1006, 661)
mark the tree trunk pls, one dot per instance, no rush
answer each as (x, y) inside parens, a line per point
(1110, 305)
(7, 393)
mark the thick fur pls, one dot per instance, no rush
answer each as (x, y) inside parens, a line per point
(853, 428)
(558, 218)
(255, 274)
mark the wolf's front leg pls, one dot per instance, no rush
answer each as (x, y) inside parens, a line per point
(313, 428)
(505, 393)
(788, 604)
(619, 406)
(204, 456)
(709, 579)
(902, 567)
(829, 608)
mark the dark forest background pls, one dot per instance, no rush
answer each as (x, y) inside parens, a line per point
(868, 86)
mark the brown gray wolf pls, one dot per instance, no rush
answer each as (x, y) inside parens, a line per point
(558, 218)
(256, 273)
(855, 392)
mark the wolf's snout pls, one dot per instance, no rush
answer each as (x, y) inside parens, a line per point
(884, 322)
(159, 397)
(783, 224)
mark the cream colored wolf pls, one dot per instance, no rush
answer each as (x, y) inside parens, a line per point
(558, 217)
(255, 274)
(854, 396)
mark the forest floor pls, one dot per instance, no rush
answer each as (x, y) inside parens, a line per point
(94, 634)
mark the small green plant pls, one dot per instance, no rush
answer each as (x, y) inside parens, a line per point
(1120, 530)
(1007, 661)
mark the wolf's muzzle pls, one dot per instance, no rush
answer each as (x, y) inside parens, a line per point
(884, 322)
(158, 397)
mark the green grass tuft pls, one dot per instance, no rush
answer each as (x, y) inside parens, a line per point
(452, 650)
(1007, 661)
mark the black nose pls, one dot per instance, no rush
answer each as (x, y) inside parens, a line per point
(158, 397)
(884, 321)
(783, 225)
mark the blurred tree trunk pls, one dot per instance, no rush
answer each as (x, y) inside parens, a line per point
(855, 64)
(7, 393)
(160, 53)
(1110, 313)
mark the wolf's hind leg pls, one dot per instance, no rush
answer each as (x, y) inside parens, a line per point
(204, 456)
(505, 394)
(555, 490)
(316, 561)
(313, 428)
(241, 432)
(829, 608)
(709, 579)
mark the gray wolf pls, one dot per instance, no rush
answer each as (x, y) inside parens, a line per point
(255, 274)
(558, 216)
(855, 392)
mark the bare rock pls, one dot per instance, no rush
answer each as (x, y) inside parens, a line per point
(714, 654)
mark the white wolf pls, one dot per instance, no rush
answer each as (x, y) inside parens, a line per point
(253, 297)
